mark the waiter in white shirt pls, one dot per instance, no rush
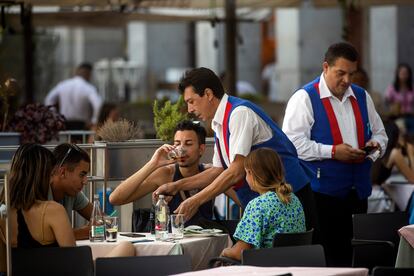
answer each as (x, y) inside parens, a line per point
(77, 99)
(338, 134)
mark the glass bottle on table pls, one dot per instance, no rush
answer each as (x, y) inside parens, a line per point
(162, 212)
(97, 232)
(152, 219)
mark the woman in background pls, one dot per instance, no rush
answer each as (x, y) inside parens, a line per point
(276, 210)
(400, 96)
(109, 111)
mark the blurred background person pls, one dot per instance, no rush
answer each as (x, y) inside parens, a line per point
(109, 111)
(77, 99)
(398, 158)
(243, 87)
(400, 96)
(269, 82)
(361, 78)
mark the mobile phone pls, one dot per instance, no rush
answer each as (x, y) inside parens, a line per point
(368, 149)
(132, 235)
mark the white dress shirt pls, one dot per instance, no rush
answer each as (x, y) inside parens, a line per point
(75, 97)
(246, 129)
(298, 122)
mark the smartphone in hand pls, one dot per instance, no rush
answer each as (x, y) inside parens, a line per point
(369, 149)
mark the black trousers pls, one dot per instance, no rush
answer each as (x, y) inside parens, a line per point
(306, 197)
(335, 221)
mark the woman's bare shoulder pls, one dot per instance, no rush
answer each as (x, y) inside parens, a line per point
(53, 207)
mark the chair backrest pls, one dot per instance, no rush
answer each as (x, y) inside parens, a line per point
(386, 226)
(392, 271)
(52, 261)
(303, 255)
(143, 265)
(292, 239)
(382, 230)
(229, 226)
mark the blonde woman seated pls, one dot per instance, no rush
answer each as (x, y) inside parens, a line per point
(276, 210)
(35, 221)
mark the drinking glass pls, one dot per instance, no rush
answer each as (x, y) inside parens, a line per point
(111, 228)
(177, 226)
(176, 153)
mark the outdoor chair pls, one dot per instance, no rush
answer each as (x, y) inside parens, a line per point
(230, 226)
(65, 261)
(143, 265)
(293, 239)
(280, 239)
(376, 238)
(303, 255)
(392, 271)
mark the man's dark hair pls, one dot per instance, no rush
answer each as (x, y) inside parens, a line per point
(70, 155)
(341, 50)
(194, 126)
(85, 66)
(200, 79)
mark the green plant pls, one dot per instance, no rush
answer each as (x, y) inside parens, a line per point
(119, 131)
(167, 117)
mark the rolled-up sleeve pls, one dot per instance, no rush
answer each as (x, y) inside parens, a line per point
(297, 125)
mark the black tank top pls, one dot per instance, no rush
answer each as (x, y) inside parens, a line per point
(205, 211)
(24, 238)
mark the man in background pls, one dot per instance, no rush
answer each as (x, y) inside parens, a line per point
(77, 99)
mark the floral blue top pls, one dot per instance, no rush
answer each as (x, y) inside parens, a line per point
(265, 216)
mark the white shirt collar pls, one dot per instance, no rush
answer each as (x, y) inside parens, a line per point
(221, 109)
(325, 92)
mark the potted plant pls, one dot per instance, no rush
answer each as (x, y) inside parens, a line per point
(167, 117)
(124, 153)
(37, 123)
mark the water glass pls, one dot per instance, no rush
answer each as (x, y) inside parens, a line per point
(177, 226)
(111, 228)
(176, 153)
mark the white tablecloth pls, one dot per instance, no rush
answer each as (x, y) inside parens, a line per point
(296, 271)
(201, 249)
(405, 256)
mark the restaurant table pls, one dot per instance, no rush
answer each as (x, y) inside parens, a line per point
(400, 193)
(240, 270)
(200, 248)
(405, 256)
